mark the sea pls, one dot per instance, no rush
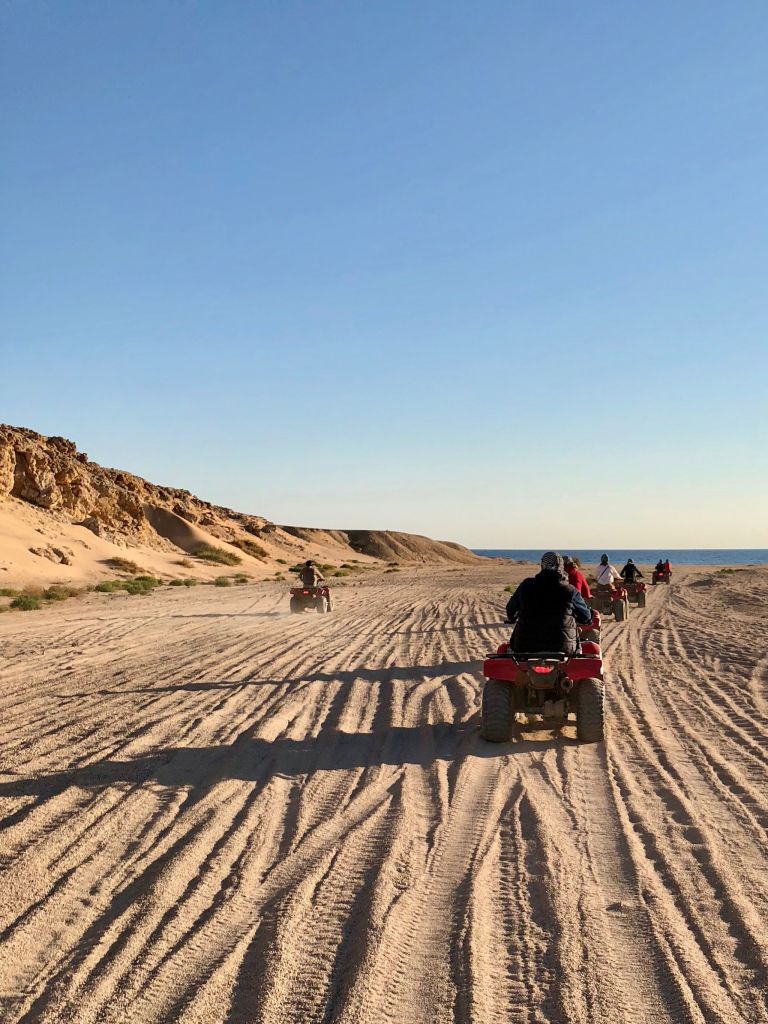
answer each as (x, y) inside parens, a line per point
(642, 556)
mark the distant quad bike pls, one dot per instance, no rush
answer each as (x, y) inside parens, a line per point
(546, 683)
(660, 576)
(636, 593)
(591, 630)
(318, 598)
(612, 600)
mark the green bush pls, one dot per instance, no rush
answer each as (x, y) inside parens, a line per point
(122, 565)
(393, 563)
(138, 585)
(219, 556)
(281, 561)
(176, 583)
(59, 593)
(391, 570)
(185, 562)
(509, 589)
(250, 547)
(26, 603)
(341, 572)
(8, 592)
(190, 583)
(222, 581)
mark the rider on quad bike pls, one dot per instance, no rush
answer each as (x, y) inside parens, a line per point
(546, 610)
(577, 578)
(605, 574)
(630, 572)
(310, 575)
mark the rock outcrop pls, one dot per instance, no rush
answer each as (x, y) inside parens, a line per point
(51, 474)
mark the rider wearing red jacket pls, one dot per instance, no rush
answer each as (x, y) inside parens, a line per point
(577, 579)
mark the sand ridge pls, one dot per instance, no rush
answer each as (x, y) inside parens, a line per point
(216, 811)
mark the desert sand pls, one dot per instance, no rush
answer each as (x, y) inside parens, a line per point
(215, 811)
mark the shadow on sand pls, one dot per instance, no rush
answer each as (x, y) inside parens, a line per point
(254, 759)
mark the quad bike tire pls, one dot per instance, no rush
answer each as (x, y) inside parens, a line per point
(593, 635)
(620, 610)
(321, 603)
(295, 605)
(590, 711)
(498, 718)
(641, 599)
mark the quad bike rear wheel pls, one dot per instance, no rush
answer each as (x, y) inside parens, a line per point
(497, 715)
(295, 605)
(592, 634)
(590, 710)
(620, 610)
(641, 599)
(321, 603)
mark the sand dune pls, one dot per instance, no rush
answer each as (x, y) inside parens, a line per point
(215, 811)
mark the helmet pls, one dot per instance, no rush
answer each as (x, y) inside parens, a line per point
(308, 562)
(603, 559)
(568, 561)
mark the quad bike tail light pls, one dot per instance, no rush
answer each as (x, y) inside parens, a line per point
(542, 670)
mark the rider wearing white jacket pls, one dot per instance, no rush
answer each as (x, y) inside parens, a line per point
(606, 574)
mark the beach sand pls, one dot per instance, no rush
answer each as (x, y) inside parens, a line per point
(215, 811)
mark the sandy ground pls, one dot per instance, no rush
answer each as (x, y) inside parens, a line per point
(215, 811)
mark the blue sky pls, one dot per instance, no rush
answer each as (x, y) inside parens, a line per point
(492, 272)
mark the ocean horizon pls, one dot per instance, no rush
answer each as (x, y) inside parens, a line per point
(643, 556)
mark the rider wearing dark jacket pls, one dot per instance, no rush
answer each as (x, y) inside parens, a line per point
(545, 609)
(630, 572)
(310, 576)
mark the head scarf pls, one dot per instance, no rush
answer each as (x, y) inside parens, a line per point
(553, 562)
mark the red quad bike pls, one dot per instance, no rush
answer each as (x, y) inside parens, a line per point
(636, 593)
(660, 576)
(318, 598)
(613, 600)
(591, 630)
(545, 683)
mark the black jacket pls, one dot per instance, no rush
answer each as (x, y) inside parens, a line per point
(630, 573)
(545, 610)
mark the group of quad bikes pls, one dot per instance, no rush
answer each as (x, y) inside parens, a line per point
(551, 685)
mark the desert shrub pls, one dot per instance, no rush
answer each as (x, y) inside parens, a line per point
(281, 561)
(219, 556)
(59, 593)
(190, 583)
(138, 585)
(391, 570)
(222, 581)
(346, 565)
(8, 592)
(720, 572)
(393, 563)
(326, 567)
(122, 565)
(176, 583)
(296, 568)
(185, 562)
(26, 603)
(509, 589)
(341, 572)
(250, 547)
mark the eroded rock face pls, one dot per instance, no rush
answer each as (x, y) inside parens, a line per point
(50, 473)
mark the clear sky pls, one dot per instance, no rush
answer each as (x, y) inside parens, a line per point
(495, 272)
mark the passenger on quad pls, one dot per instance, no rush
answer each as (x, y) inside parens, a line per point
(577, 579)
(546, 608)
(605, 574)
(630, 572)
(667, 567)
(310, 575)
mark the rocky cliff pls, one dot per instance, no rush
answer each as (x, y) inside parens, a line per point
(49, 473)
